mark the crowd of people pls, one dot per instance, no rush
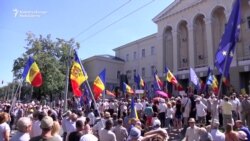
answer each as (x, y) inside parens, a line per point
(193, 117)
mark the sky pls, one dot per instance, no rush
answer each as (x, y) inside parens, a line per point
(98, 25)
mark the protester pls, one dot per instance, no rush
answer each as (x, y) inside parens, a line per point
(4, 127)
(192, 133)
(106, 134)
(215, 132)
(230, 135)
(46, 126)
(76, 135)
(23, 130)
(55, 130)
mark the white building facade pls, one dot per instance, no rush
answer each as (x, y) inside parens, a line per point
(189, 32)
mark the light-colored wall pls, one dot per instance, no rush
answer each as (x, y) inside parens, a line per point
(96, 64)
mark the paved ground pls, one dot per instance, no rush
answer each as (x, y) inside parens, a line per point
(176, 136)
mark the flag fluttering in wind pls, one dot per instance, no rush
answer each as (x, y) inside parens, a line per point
(32, 74)
(193, 77)
(110, 93)
(77, 75)
(224, 54)
(170, 77)
(127, 88)
(139, 81)
(133, 112)
(158, 84)
(213, 82)
(99, 84)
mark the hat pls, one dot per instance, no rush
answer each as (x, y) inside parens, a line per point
(238, 121)
(134, 132)
(157, 122)
(107, 115)
(46, 122)
(242, 135)
(191, 120)
(215, 122)
(197, 99)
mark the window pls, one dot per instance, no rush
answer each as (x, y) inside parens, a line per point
(128, 73)
(143, 72)
(152, 50)
(118, 74)
(143, 53)
(248, 22)
(127, 57)
(152, 70)
(134, 72)
(134, 55)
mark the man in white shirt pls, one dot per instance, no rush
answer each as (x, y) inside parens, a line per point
(92, 118)
(106, 134)
(186, 104)
(201, 112)
(226, 108)
(215, 132)
(192, 131)
(139, 107)
(162, 109)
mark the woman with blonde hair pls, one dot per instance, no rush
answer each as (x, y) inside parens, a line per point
(55, 130)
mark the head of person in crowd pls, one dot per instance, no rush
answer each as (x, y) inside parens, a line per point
(67, 114)
(238, 123)
(54, 117)
(24, 125)
(197, 100)
(87, 121)
(41, 115)
(79, 113)
(169, 105)
(55, 128)
(226, 98)
(242, 136)
(4, 117)
(157, 123)
(119, 122)
(229, 128)
(73, 117)
(79, 125)
(215, 124)
(46, 125)
(191, 122)
(115, 116)
(107, 115)
(134, 134)
(108, 124)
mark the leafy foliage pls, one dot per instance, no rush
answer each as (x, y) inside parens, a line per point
(52, 57)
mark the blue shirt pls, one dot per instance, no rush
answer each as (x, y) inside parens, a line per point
(246, 130)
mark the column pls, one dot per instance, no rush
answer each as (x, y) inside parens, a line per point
(175, 49)
(209, 35)
(191, 45)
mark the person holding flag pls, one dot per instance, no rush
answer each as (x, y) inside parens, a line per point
(77, 75)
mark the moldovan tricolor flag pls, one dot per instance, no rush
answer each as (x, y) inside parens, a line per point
(77, 76)
(170, 77)
(127, 88)
(32, 74)
(99, 84)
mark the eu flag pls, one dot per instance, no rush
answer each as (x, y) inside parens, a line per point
(224, 54)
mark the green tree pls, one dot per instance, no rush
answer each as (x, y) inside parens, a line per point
(51, 57)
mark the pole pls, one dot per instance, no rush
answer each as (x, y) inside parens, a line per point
(18, 90)
(67, 80)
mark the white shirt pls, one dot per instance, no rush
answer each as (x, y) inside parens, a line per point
(91, 116)
(169, 113)
(162, 107)
(192, 134)
(217, 135)
(201, 109)
(107, 135)
(88, 137)
(235, 104)
(35, 129)
(4, 127)
(19, 136)
(138, 106)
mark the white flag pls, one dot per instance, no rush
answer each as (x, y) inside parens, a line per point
(194, 78)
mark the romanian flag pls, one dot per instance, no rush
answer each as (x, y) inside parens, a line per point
(170, 77)
(133, 112)
(99, 84)
(213, 82)
(226, 80)
(77, 76)
(158, 84)
(141, 82)
(32, 74)
(127, 88)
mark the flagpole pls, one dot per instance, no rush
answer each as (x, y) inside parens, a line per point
(67, 81)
